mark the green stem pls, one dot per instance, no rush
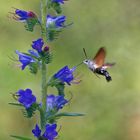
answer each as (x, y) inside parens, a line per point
(43, 18)
(44, 69)
(44, 95)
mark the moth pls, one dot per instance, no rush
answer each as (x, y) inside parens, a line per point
(97, 64)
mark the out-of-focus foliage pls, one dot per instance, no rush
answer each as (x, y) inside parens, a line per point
(112, 108)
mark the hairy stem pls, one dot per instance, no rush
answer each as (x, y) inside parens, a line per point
(43, 18)
(44, 68)
(44, 95)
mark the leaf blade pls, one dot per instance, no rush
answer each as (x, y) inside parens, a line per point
(16, 104)
(20, 137)
(67, 114)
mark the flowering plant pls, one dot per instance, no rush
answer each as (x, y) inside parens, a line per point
(38, 58)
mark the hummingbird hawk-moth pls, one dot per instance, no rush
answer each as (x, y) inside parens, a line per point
(97, 64)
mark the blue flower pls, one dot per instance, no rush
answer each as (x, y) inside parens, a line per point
(38, 44)
(50, 132)
(65, 75)
(36, 131)
(25, 59)
(55, 102)
(55, 21)
(59, 1)
(26, 98)
(22, 15)
(33, 53)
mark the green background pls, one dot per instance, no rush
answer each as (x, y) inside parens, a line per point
(112, 109)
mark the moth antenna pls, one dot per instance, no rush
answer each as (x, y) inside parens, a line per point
(85, 52)
(79, 64)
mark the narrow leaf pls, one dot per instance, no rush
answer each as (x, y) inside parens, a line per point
(67, 114)
(16, 104)
(20, 138)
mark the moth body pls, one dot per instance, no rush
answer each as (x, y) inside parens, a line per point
(91, 65)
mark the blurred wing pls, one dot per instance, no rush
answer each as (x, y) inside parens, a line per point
(100, 57)
(108, 65)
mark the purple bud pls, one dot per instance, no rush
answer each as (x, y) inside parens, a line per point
(46, 48)
(31, 14)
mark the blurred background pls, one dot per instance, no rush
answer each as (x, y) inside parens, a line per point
(112, 109)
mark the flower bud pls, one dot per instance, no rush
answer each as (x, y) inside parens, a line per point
(46, 49)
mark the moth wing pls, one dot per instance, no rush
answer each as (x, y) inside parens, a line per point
(100, 57)
(108, 65)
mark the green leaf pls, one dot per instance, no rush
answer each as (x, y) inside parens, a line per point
(16, 104)
(67, 114)
(30, 24)
(54, 82)
(47, 57)
(49, 4)
(20, 138)
(52, 34)
(60, 87)
(33, 67)
(28, 113)
(56, 6)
